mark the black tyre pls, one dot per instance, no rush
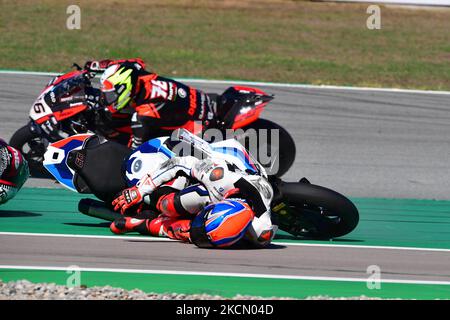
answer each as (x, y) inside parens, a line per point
(32, 147)
(282, 156)
(315, 211)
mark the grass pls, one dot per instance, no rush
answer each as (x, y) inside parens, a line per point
(272, 40)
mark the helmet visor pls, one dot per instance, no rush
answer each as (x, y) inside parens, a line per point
(110, 97)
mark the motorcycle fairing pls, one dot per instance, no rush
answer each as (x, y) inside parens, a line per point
(241, 106)
(63, 90)
(240, 154)
(145, 159)
(55, 158)
(148, 156)
(41, 111)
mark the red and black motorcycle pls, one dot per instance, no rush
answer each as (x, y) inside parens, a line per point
(62, 110)
(70, 104)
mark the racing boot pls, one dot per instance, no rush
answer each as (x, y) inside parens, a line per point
(161, 226)
(129, 224)
(180, 230)
(138, 223)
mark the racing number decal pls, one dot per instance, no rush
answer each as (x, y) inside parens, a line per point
(38, 108)
(159, 89)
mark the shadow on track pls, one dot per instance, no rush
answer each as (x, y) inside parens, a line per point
(238, 246)
(17, 214)
(91, 225)
(289, 237)
(246, 246)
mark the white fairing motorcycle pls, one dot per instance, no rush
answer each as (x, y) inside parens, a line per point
(88, 164)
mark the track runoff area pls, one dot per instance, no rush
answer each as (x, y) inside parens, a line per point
(361, 142)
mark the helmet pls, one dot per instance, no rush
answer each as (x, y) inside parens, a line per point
(221, 224)
(117, 84)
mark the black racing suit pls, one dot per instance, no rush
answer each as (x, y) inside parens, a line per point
(162, 105)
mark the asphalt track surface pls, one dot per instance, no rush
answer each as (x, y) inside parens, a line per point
(173, 256)
(375, 144)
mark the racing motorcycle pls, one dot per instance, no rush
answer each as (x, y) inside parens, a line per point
(62, 110)
(89, 164)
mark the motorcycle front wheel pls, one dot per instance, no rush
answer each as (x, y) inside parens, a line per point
(32, 146)
(313, 211)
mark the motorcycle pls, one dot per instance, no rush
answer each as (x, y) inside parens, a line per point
(62, 110)
(89, 164)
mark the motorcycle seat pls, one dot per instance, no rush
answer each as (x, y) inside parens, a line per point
(100, 171)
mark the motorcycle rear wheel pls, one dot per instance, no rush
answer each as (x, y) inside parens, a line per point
(285, 152)
(316, 212)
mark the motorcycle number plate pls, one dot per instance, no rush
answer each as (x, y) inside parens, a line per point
(39, 110)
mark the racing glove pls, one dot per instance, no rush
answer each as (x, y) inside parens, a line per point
(166, 172)
(129, 198)
(92, 97)
(97, 66)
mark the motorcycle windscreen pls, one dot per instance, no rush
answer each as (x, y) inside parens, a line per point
(234, 152)
(55, 159)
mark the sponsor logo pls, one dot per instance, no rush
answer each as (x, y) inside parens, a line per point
(16, 158)
(52, 97)
(4, 159)
(193, 102)
(137, 166)
(203, 107)
(216, 174)
(79, 160)
(182, 93)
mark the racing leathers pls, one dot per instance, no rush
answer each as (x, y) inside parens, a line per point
(159, 105)
(13, 172)
(218, 180)
(162, 104)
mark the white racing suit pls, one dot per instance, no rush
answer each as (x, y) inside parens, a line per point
(219, 179)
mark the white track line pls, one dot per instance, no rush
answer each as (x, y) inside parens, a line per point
(265, 84)
(29, 73)
(360, 246)
(157, 239)
(87, 236)
(221, 274)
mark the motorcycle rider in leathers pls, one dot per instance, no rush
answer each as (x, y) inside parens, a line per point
(158, 104)
(218, 180)
(14, 172)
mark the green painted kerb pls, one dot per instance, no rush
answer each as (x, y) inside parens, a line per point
(231, 286)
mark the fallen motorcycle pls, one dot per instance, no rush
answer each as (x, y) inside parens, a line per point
(88, 164)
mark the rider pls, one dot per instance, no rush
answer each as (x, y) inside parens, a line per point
(157, 103)
(13, 172)
(186, 215)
